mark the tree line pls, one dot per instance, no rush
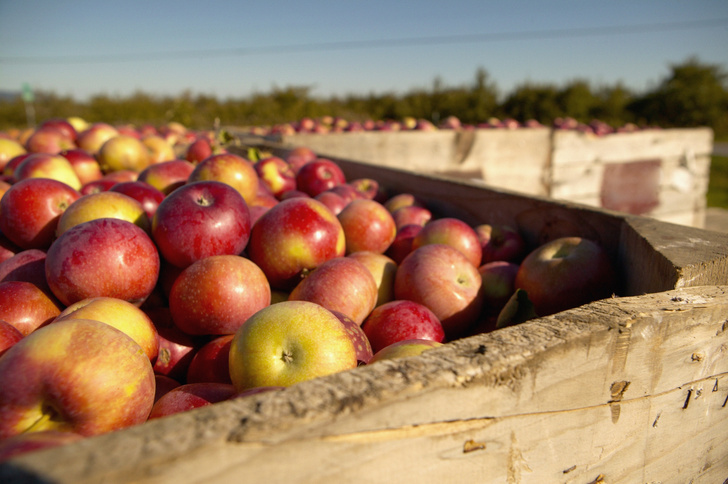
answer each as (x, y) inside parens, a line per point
(691, 94)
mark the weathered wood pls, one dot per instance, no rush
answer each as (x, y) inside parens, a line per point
(632, 389)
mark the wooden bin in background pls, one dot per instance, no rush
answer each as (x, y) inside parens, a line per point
(631, 389)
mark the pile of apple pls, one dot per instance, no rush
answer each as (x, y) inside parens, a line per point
(142, 278)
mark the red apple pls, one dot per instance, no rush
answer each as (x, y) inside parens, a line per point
(403, 200)
(30, 211)
(189, 396)
(498, 284)
(76, 375)
(382, 269)
(299, 156)
(27, 266)
(443, 279)
(144, 193)
(500, 243)
(30, 442)
(60, 124)
(7, 248)
(164, 385)
(97, 186)
(106, 204)
(369, 188)
(217, 294)
(293, 238)
(403, 349)
(411, 215)
(168, 175)
(319, 175)
(340, 284)
(402, 243)
(400, 320)
(453, 232)
(211, 363)
(231, 169)
(275, 174)
(176, 348)
(43, 165)
(92, 138)
(9, 335)
(201, 219)
(25, 306)
(198, 150)
(368, 226)
(85, 165)
(123, 152)
(565, 273)
(103, 257)
(332, 200)
(358, 338)
(48, 140)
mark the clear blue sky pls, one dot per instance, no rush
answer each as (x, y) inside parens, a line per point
(235, 48)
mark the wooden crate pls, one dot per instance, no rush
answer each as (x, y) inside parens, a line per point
(628, 389)
(658, 173)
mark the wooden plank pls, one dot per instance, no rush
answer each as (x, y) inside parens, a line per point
(632, 389)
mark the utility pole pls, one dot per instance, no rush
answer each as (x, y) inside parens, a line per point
(28, 98)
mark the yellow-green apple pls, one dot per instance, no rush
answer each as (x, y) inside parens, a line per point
(106, 204)
(367, 225)
(29, 442)
(440, 277)
(176, 348)
(93, 137)
(103, 257)
(48, 140)
(159, 149)
(299, 156)
(9, 335)
(123, 152)
(211, 362)
(565, 273)
(400, 320)
(9, 149)
(293, 238)
(340, 284)
(453, 232)
(26, 307)
(403, 349)
(144, 193)
(78, 123)
(498, 284)
(231, 169)
(163, 385)
(30, 211)
(402, 243)
(28, 266)
(201, 219)
(44, 165)
(216, 294)
(167, 175)
(190, 396)
(76, 375)
(287, 343)
(363, 348)
(500, 242)
(276, 174)
(85, 165)
(403, 200)
(411, 214)
(383, 269)
(120, 314)
(319, 175)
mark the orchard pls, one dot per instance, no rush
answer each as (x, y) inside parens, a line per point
(146, 271)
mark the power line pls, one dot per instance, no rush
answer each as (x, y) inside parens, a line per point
(377, 43)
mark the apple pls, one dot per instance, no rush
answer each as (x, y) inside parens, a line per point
(319, 175)
(189, 396)
(368, 226)
(167, 176)
(144, 193)
(176, 348)
(358, 338)
(75, 375)
(500, 242)
(201, 219)
(453, 232)
(411, 215)
(383, 269)
(159, 149)
(92, 138)
(121, 176)
(339, 284)
(198, 150)
(106, 204)
(368, 188)
(402, 243)
(443, 279)
(498, 284)
(346, 191)
(30, 211)
(9, 335)
(9, 149)
(228, 168)
(294, 194)
(9, 168)
(29, 442)
(78, 123)
(119, 314)
(43, 165)
(403, 200)
(97, 186)
(217, 294)
(48, 140)
(163, 385)
(211, 363)
(103, 257)
(287, 343)
(565, 273)
(123, 152)
(332, 200)
(28, 266)
(62, 125)
(26, 306)
(299, 156)
(276, 174)
(403, 349)
(293, 238)
(7, 248)
(84, 164)
(400, 320)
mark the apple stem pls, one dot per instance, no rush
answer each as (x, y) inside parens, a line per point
(48, 415)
